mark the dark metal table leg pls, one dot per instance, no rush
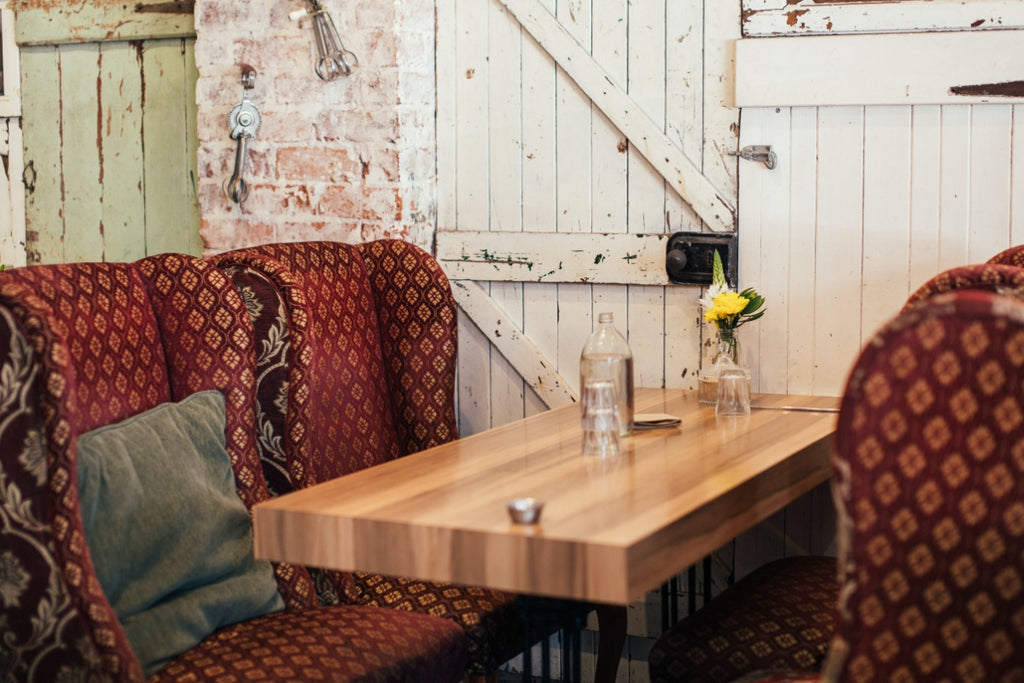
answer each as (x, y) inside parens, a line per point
(542, 615)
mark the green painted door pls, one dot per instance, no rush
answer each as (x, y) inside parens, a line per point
(109, 121)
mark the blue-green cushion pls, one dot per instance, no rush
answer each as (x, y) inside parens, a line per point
(169, 537)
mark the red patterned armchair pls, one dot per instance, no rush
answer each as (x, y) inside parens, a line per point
(86, 348)
(992, 277)
(358, 368)
(1014, 256)
(929, 487)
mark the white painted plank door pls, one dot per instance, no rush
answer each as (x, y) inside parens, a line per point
(563, 126)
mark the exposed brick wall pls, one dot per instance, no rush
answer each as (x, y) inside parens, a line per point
(350, 159)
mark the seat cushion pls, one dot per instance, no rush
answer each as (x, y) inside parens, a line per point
(170, 539)
(780, 616)
(490, 618)
(344, 643)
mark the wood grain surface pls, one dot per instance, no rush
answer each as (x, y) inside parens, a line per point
(611, 529)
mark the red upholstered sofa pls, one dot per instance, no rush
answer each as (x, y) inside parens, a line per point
(89, 350)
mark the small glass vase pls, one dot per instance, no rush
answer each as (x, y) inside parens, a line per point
(724, 353)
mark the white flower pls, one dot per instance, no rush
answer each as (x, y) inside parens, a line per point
(707, 302)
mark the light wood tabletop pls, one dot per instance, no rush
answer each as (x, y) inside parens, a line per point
(611, 529)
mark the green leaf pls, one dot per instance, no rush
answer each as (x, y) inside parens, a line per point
(755, 316)
(754, 300)
(717, 272)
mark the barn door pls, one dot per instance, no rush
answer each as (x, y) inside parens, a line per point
(573, 138)
(109, 130)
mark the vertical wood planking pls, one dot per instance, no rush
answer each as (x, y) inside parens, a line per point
(720, 128)
(609, 151)
(763, 257)
(192, 240)
(171, 215)
(752, 221)
(926, 147)
(14, 251)
(684, 122)
(471, 197)
(120, 131)
(505, 178)
(573, 146)
(445, 61)
(646, 208)
(837, 300)
(41, 132)
(954, 190)
(803, 237)
(887, 190)
(684, 96)
(991, 137)
(609, 161)
(1017, 180)
(540, 301)
(80, 152)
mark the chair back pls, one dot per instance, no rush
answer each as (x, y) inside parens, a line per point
(1013, 256)
(991, 277)
(368, 335)
(418, 322)
(929, 485)
(108, 341)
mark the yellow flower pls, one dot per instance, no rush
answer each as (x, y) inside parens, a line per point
(728, 304)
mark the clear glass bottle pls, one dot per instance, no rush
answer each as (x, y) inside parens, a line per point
(607, 355)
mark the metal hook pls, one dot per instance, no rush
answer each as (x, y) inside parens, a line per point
(243, 122)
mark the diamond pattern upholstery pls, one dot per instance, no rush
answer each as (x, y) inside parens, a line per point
(993, 277)
(417, 318)
(361, 644)
(109, 341)
(1014, 256)
(781, 615)
(372, 345)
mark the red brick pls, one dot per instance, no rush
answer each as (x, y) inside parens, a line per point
(313, 164)
(361, 202)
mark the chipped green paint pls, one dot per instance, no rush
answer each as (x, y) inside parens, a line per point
(630, 257)
(488, 257)
(547, 274)
(598, 259)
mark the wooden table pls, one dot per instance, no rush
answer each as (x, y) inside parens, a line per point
(611, 529)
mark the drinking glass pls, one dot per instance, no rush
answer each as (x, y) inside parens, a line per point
(601, 418)
(733, 393)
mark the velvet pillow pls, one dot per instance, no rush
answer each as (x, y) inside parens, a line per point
(169, 537)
